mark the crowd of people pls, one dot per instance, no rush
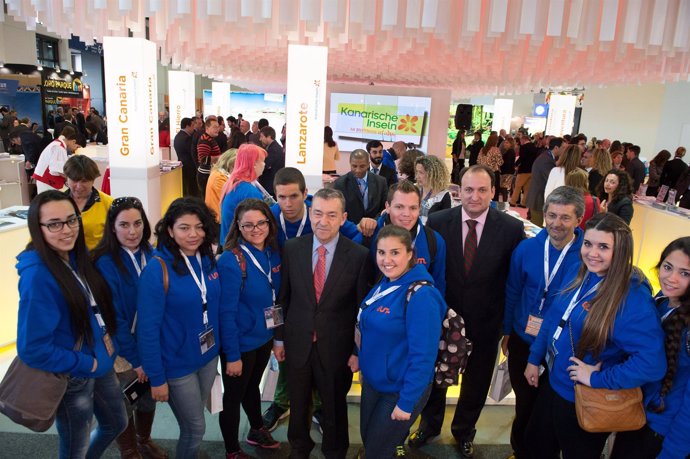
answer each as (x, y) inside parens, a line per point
(357, 277)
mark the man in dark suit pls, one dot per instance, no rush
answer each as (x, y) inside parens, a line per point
(375, 150)
(635, 167)
(359, 186)
(183, 148)
(540, 175)
(324, 279)
(275, 160)
(673, 169)
(69, 121)
(480, 242)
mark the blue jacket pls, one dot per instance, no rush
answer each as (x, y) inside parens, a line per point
(45, 338)
(421, 246)
(242, 191)
(349, 229)
(388, 160)
(246, 299)
(398, 352)
(634, 354)
(169, 324)
(525, 284)
(124, 290)
(674, 422)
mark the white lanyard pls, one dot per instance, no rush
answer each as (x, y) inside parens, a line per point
(301, 225)
(92, 300)
(201, 284)
(668, 313)
(137, 266)
(573, 302)
(419, 229)
(258, 266)
(548, 278)
(378, 294)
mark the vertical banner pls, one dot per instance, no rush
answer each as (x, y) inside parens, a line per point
(561, 115)
(221, 99)
(503, 112)
(306, 111)
(181, 98)
(132, 94)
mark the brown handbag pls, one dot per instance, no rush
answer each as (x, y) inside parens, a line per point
(606, 410)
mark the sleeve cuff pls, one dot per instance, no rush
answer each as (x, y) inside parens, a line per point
(278, 343)
(595, 380)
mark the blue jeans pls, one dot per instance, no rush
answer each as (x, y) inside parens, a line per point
(375, 421)
(187, 397)
(84, 398)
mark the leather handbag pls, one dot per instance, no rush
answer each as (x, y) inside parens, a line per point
(607, 410)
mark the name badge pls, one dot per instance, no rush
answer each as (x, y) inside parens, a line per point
(273, 316)
(206, 340)
(108, 344)
(533, 325)
(551, 354)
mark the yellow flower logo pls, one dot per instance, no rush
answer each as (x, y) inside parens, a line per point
(407, 123)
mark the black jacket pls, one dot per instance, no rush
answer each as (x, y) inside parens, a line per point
(377, 192)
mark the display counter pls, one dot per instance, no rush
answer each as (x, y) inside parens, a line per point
(14, 235)
(14, 190)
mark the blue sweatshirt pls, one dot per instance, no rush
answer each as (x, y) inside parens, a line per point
(349, 229)
(169, 325)
(421, 247)
(634, 354)
(674, 422)
(398, 352)
(246, 300)
(45, 338)
(242, 191)
(525, 284)
(124, 290)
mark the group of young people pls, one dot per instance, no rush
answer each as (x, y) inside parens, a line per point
(293, 279)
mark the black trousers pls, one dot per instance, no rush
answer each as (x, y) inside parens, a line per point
(333, 386)
(638, 444)
(243, 390)
(473, 391)
(525, 395)
(553, 429)
(189, 185)
(202, 180)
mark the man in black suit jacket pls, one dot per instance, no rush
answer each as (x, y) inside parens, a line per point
(275, 160)
(317, 339)
(478, 296)
(375, 150)
(673, 169)
(183, 149)
(360, 184)
(69, 121)
(635, 167)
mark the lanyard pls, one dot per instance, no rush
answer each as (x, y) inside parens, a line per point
(301, 225)
(573, 302)
(419, 229)
(378, 294)
(258, 266)
(548, 278)
(92, 301)
(201, 284)
(137, 266)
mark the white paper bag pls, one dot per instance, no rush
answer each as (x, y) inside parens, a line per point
(269, 380)
(500, 383)
(214, 404)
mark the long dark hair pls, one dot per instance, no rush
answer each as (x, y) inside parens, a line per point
(71, 290)
(328, 136)
(180, 207)
(674, 325)
(109, 243)
(235, 236)
(624, 188)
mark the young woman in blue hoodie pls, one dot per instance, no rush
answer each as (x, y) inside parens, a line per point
(67, 324)
(120, 256)
(249, 271)
(398, 346)
(667, 433)
(602, 332)
(179, 322)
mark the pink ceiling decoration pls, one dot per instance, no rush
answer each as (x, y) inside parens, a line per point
(469, 46)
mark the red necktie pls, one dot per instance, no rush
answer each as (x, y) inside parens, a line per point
(320, 272)
(470, 245)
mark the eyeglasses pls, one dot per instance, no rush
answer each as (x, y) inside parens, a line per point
(127, 201)
(55, 227)
(263, 224)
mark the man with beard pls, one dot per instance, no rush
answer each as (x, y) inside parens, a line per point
(375, 150)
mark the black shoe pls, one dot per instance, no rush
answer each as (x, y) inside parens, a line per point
(317, 418)
(262, 438)
(420, 438)
(273, 415)
(467, 448)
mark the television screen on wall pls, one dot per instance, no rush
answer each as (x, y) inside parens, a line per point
(359, 118)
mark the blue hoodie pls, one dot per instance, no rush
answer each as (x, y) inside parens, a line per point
(421, 247)
(242, 191)
(349, 229)
(398, 352)
(124, 291)
(674, 422)
(525, 284)
(634, 354)
(246, 299)
(169, 324)
(45, 339)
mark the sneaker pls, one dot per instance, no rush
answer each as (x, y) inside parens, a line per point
(262, 438)
(273, 415)
(237, 455)
(400, 451)
(317, 419)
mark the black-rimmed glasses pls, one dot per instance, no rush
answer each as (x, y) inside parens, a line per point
(263, 224)
(56, 227)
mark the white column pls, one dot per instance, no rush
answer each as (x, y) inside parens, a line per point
(503, 112)
(181, 93)
(561, 115)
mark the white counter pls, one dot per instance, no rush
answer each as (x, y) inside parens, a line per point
(14, 235)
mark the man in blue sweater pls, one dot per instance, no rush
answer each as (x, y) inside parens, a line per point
(534, 282)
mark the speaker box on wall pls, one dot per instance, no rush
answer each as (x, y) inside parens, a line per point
(463, 116)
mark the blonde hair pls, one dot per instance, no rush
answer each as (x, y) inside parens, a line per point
(579, 180)
(570, 159)
(437, 172)
(226, 161)
(601, 161)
